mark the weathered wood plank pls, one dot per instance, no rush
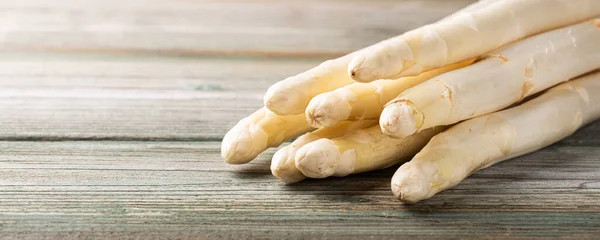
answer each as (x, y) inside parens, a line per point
(124, 97)
(183, 189)
(267, 27)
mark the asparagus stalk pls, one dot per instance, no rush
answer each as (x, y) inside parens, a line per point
(291, 95)
(503, 77)
(283, 165)
(360, 151)
(481, 142)
(466, 35)
(259, 131)
(364, 100)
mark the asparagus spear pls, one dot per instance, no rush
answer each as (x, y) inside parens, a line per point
(478, 143)
(467, 35)
(291, 95)
(502, 78)
(259, 131)
(361, 151)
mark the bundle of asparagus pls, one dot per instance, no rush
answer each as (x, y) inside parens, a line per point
(469, 68)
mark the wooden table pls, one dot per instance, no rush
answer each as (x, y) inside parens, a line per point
(112, 112)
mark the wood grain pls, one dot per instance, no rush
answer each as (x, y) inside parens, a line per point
(132, 97)
(183, 189)
(267, 27)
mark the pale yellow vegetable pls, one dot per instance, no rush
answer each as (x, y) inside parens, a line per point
(361, 151)
(502, 78)
(259, 131)
(364, 100)
(291, 95)
(283, 165)
(467, 35)
(478, 143)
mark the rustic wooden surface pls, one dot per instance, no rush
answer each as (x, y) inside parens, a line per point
(111, 113)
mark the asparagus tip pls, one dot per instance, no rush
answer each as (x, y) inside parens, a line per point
(398, 120)
(240, 146)
(281, 99)
(318, 159)
(326, 110)
(412, 183)
(361, 69)
(283, 166)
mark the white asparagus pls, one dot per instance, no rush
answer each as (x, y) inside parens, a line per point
(283, 165)
(467, 35)
(259, 131)
(360, 151)
(502, 78)
(291, 95)
(364, 100)
(478, 143)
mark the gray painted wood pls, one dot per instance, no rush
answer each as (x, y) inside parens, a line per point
(111, 117)
(267, 27)
(183, 189)
(129, 97)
